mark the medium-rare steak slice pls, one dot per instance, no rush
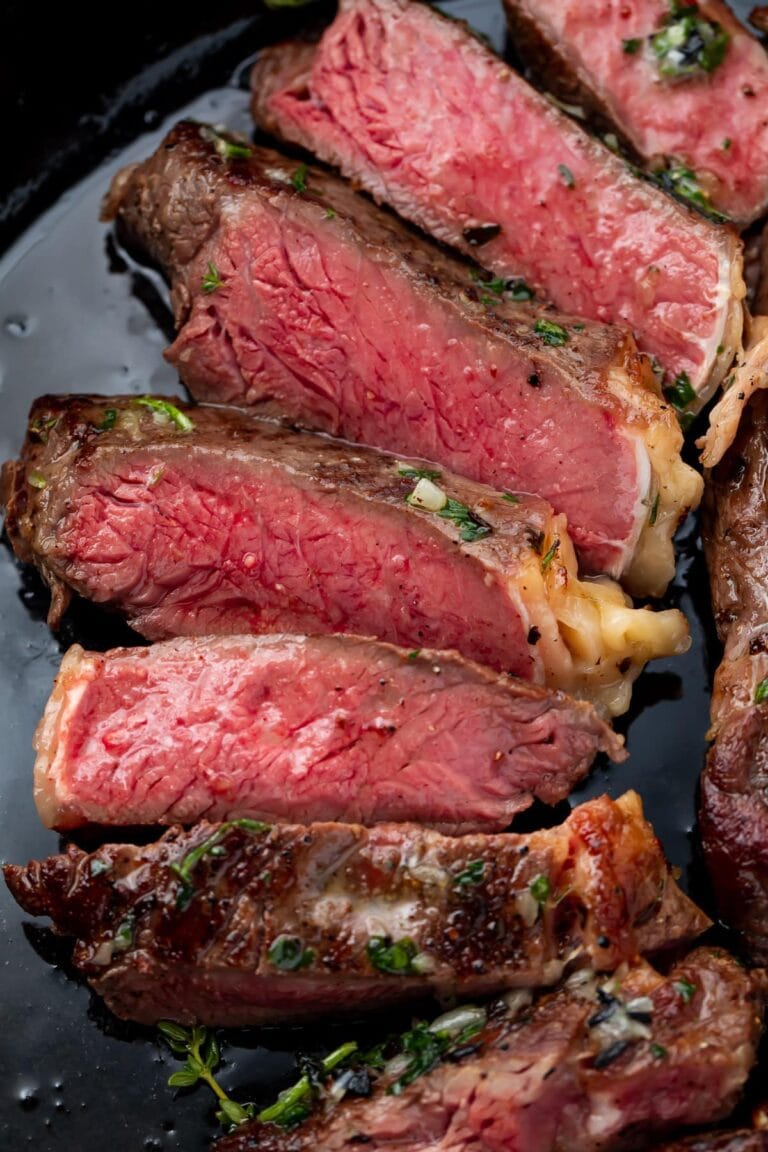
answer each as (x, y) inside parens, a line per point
(415, 109)
(239, 922)
(328, 310)
(595, 1065)
(688, 87)
(734, 790)
(202, 521)
(301, 728)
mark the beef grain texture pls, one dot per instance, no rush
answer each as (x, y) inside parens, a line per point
(232, 525)
(734, 796)
(241, 923)
(415, 109)
(554, 1078)
(333, 313)
(299, 728)
(712, 122)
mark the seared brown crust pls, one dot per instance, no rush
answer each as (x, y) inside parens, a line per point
(158, 936)
(547, 1080)
(734, 808)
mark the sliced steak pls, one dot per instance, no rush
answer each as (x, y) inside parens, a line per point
(734, 791)
(237, 923)
(329, 311)
(594, 1065)
(415, 109)
(689, 88)
(209, 521)
(301, 728)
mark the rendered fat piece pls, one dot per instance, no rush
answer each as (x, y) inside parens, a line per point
(240, 526)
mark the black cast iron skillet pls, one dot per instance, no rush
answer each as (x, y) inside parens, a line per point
(75, 316)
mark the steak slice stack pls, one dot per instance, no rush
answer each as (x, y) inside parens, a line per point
(301, 728)
(241, 922)
(296, 295)
(688, 86)
(202, 521)
(595, 1065)
(734, 797)
(412, 107)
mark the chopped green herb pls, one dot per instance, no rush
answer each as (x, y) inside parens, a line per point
(658, 1052)
(299, 178)
(329, 214)
(551, 333)
(539, 889)
(96, 867)
(566, 175)
(761, 692)
(683, 183)
(419, 473)
(720, 349)
(472, 526)
(680, 392)
(654, 511)
(123, 937)
(414, 655)
(209, 847)
(688, 44)
(510, 497)
(685, 990)
(167, 410)
(226, 148)
(472, 874)
(632, 46)
(295, 1103)
(109, 421)
(550, 554)
(42, 428)
(516, 289)
(289, 954)
(395, 957)
(36, 479)
(726, 143)
(212, 280)
(201, 1050)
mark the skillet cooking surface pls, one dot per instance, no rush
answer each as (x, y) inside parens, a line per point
(75, 317)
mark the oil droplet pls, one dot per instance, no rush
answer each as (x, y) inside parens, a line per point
(28, 1099)
(153, 1145)
(19, 325)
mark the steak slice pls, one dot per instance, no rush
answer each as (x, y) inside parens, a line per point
(300, 728)
(681, 107)
(595, 1065)
(238, 923)
(209, 521)
(329, 311)
(412, 107)
(734, 794)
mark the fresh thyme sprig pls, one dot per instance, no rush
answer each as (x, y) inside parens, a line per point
(199, 1049)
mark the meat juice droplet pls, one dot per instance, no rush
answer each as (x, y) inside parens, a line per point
(19, 326)
(27, 1097)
